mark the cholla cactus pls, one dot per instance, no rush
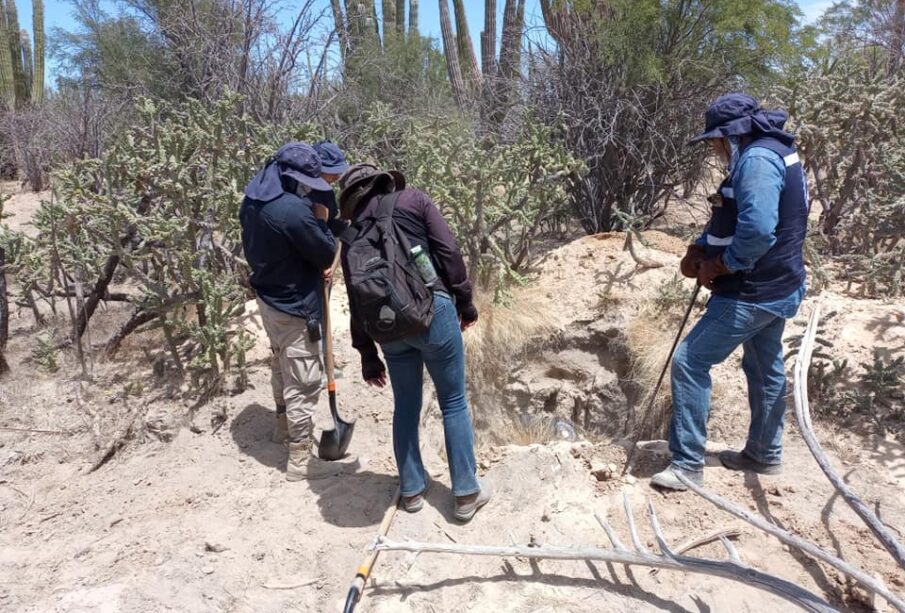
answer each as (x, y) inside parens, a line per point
(847, 120)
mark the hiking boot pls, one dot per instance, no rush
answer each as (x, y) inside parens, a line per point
(304, 465)
(667, 478)
(467, 506)
(280, 434)
(739, 460)
(413, 504)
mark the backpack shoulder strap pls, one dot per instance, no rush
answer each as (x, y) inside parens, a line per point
(384, 218)
(386, 204)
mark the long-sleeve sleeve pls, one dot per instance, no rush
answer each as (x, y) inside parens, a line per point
(758, 185)
(448, 257)
(311, 237)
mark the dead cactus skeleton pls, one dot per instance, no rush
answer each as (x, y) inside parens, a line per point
(803, 416)
(733, 568)
(872, 584)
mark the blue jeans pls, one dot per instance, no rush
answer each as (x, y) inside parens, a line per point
(726, 325)
(440, 349)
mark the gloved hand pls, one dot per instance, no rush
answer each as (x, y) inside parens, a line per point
(710, 270)
(372, 368)
(694, 255)
(468, 316)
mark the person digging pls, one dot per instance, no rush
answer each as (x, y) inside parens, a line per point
(750, 257)
(288, 246)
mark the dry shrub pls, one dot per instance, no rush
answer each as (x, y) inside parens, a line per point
(504, 331)
(649, 337)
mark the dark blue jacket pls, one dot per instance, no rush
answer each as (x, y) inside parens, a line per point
(288, 249)
(780, 271)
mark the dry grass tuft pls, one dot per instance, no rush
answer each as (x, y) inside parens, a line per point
(503, 332)
(649, 337)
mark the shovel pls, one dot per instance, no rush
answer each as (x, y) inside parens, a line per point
(335, 442)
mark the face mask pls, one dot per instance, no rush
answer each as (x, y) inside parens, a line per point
(733, 152)
(301, 189)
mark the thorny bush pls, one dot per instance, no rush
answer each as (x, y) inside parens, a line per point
(157, 215)
(848, 123)
(499, 197)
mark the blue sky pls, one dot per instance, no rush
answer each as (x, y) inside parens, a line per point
(58, 13)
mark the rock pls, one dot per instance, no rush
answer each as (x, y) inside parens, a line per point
(161, 424)
(602, 472)
(630, 480)
(214, 547)
(207, 570)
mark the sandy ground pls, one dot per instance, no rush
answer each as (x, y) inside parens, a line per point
(207, 523)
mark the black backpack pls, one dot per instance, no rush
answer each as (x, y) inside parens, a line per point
(387, 294)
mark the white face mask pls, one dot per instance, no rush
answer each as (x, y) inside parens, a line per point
(301, 189)
(733, 152)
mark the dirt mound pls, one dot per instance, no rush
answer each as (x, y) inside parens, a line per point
(206, 522)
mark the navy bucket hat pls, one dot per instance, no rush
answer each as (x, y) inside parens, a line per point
(728, 115)
(332, 159)
(295, 160)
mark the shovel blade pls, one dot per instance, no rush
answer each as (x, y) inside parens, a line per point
(334, 443)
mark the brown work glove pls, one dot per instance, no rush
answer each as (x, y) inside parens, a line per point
(710, 270)
(694, 255)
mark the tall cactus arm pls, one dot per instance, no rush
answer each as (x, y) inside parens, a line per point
(37, 82)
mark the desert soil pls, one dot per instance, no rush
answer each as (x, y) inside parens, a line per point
(193, 513)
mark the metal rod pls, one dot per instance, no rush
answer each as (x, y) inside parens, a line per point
(653, 397)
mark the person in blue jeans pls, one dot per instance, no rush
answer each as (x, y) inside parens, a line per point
(440, 349)
(750, 258)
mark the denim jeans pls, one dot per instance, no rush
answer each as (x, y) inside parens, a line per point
(440, 349)
(726, 325)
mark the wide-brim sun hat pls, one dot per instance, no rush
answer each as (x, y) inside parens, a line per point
(360, 180)
(298, 161)
(728, 115)
(301, 162)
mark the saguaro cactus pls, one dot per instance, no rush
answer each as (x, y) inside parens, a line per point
(21, 70)
(37, 83)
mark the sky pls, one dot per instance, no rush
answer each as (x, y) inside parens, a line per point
(59, 14)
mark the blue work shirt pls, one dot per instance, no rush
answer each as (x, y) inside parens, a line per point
(758, 180)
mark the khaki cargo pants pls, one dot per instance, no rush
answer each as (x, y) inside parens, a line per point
(296, 370)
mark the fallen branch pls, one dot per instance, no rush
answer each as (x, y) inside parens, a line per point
(732, 569)
(33, 430)
(704, 540)
(803, 416)
(868, 582)
(288, 586)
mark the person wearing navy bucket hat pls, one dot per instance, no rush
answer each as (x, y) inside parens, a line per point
(750, 257)
(333, 165)
(288, 246)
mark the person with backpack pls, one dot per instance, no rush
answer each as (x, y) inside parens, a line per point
(288, 246)
(409, 292)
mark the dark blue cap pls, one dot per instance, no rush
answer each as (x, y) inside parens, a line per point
(332, 158)
(728, 115)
